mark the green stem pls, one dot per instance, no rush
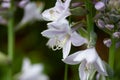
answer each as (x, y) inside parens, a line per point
(10, 40)
(112, 53)
(90, 23)
(66, 72)
(89, 17)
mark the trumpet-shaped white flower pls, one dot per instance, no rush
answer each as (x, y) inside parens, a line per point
(59, 11)
(89, 60)
(32, 72)
(61, 36)
(32, 12)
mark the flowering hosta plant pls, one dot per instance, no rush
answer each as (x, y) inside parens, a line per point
(79, 24)
(61, 35)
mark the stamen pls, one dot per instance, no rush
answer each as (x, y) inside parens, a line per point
(59, 44)
(51, 11)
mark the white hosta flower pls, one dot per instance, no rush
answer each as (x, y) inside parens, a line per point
(89, 60)
(61, 36)
(32, 12)
(32, 72)
(59, 11)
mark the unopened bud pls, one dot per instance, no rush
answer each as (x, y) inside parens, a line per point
(99, 6)
(109, 26)
(100, 23)
(76, 4)
(116, 34)
(107, 42)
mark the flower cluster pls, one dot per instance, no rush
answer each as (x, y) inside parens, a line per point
(61, 35)
(108, 19)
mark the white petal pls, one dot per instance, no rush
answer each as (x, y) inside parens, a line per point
(30, 12)
(49, 33)
(81, 56)
(37, 68)
(58, 12)
(51, 42)
(100, 67)
(70, 59)
(77, 40)
(32, 72)
(67, 3)
(60, 5)
(23, 3)
(59, 25)
(82, 73)
(66, 49)
(65, 12)
(26, 64)
(90, 55)
(42, 77)
(50, 14)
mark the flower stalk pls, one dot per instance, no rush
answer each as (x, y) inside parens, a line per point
(10, 39)
(66, 72)
(112, 53)
(90, 23)
(89, 16)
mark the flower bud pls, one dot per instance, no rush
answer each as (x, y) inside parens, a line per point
(99, 6)
(76, 4)
(109, 26)
(116, 34)
(100, 24)
(107, 42)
